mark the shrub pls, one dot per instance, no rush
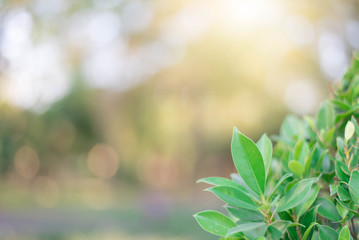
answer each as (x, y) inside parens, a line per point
(306, 187)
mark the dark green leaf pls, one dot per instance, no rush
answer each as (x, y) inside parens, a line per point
(327, 233)
(287, 175)
(328, 210)
(276, 230)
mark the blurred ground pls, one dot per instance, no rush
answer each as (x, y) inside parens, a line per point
(110, 110)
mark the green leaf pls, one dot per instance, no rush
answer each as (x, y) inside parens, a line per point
(304, 206)
(266, 148)
(327, 233)
(296, 168)
(306, 233)
(233, 196)
(343, 194)
(290, 128)
(328, 210)
(349, 131)
(214, 222)
(248, 161)
(308, 161)
(244, 214)
(344, 233)
(300, 151)
(220, 181)
(276, 230)
(326, 116)
(296, 195)
(333, 189)
(354, 186)
(339, 170)
(287, 175)
(329, 135)
(245, 227)
(348, 207)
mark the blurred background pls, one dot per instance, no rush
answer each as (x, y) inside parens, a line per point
(111, 109)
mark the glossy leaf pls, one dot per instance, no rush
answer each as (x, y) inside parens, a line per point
(214, 222)
(248, 161)
(304, 206)
(296, 195)
(233, 196)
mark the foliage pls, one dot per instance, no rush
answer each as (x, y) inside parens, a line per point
(306, 187)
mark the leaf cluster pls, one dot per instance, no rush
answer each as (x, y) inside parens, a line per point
(306, 186)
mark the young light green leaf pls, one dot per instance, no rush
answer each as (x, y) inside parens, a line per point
(220, 181)
(296, 168)
(276, 230)
(300, 151)
(245, 214)
(349, 131)
(265, 147)
(327, 233)
(326, 116)
(249, 162)
(344, 233)
(328, 210)
(287, 175)
(296, 195)
(245, 227)
(307, 232)
(354, 186)
(233, 196)
(214, 222)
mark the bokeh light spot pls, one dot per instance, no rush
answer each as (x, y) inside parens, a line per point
(103, 161)
(27, 162)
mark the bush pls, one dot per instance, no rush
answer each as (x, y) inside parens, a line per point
(306, 187)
